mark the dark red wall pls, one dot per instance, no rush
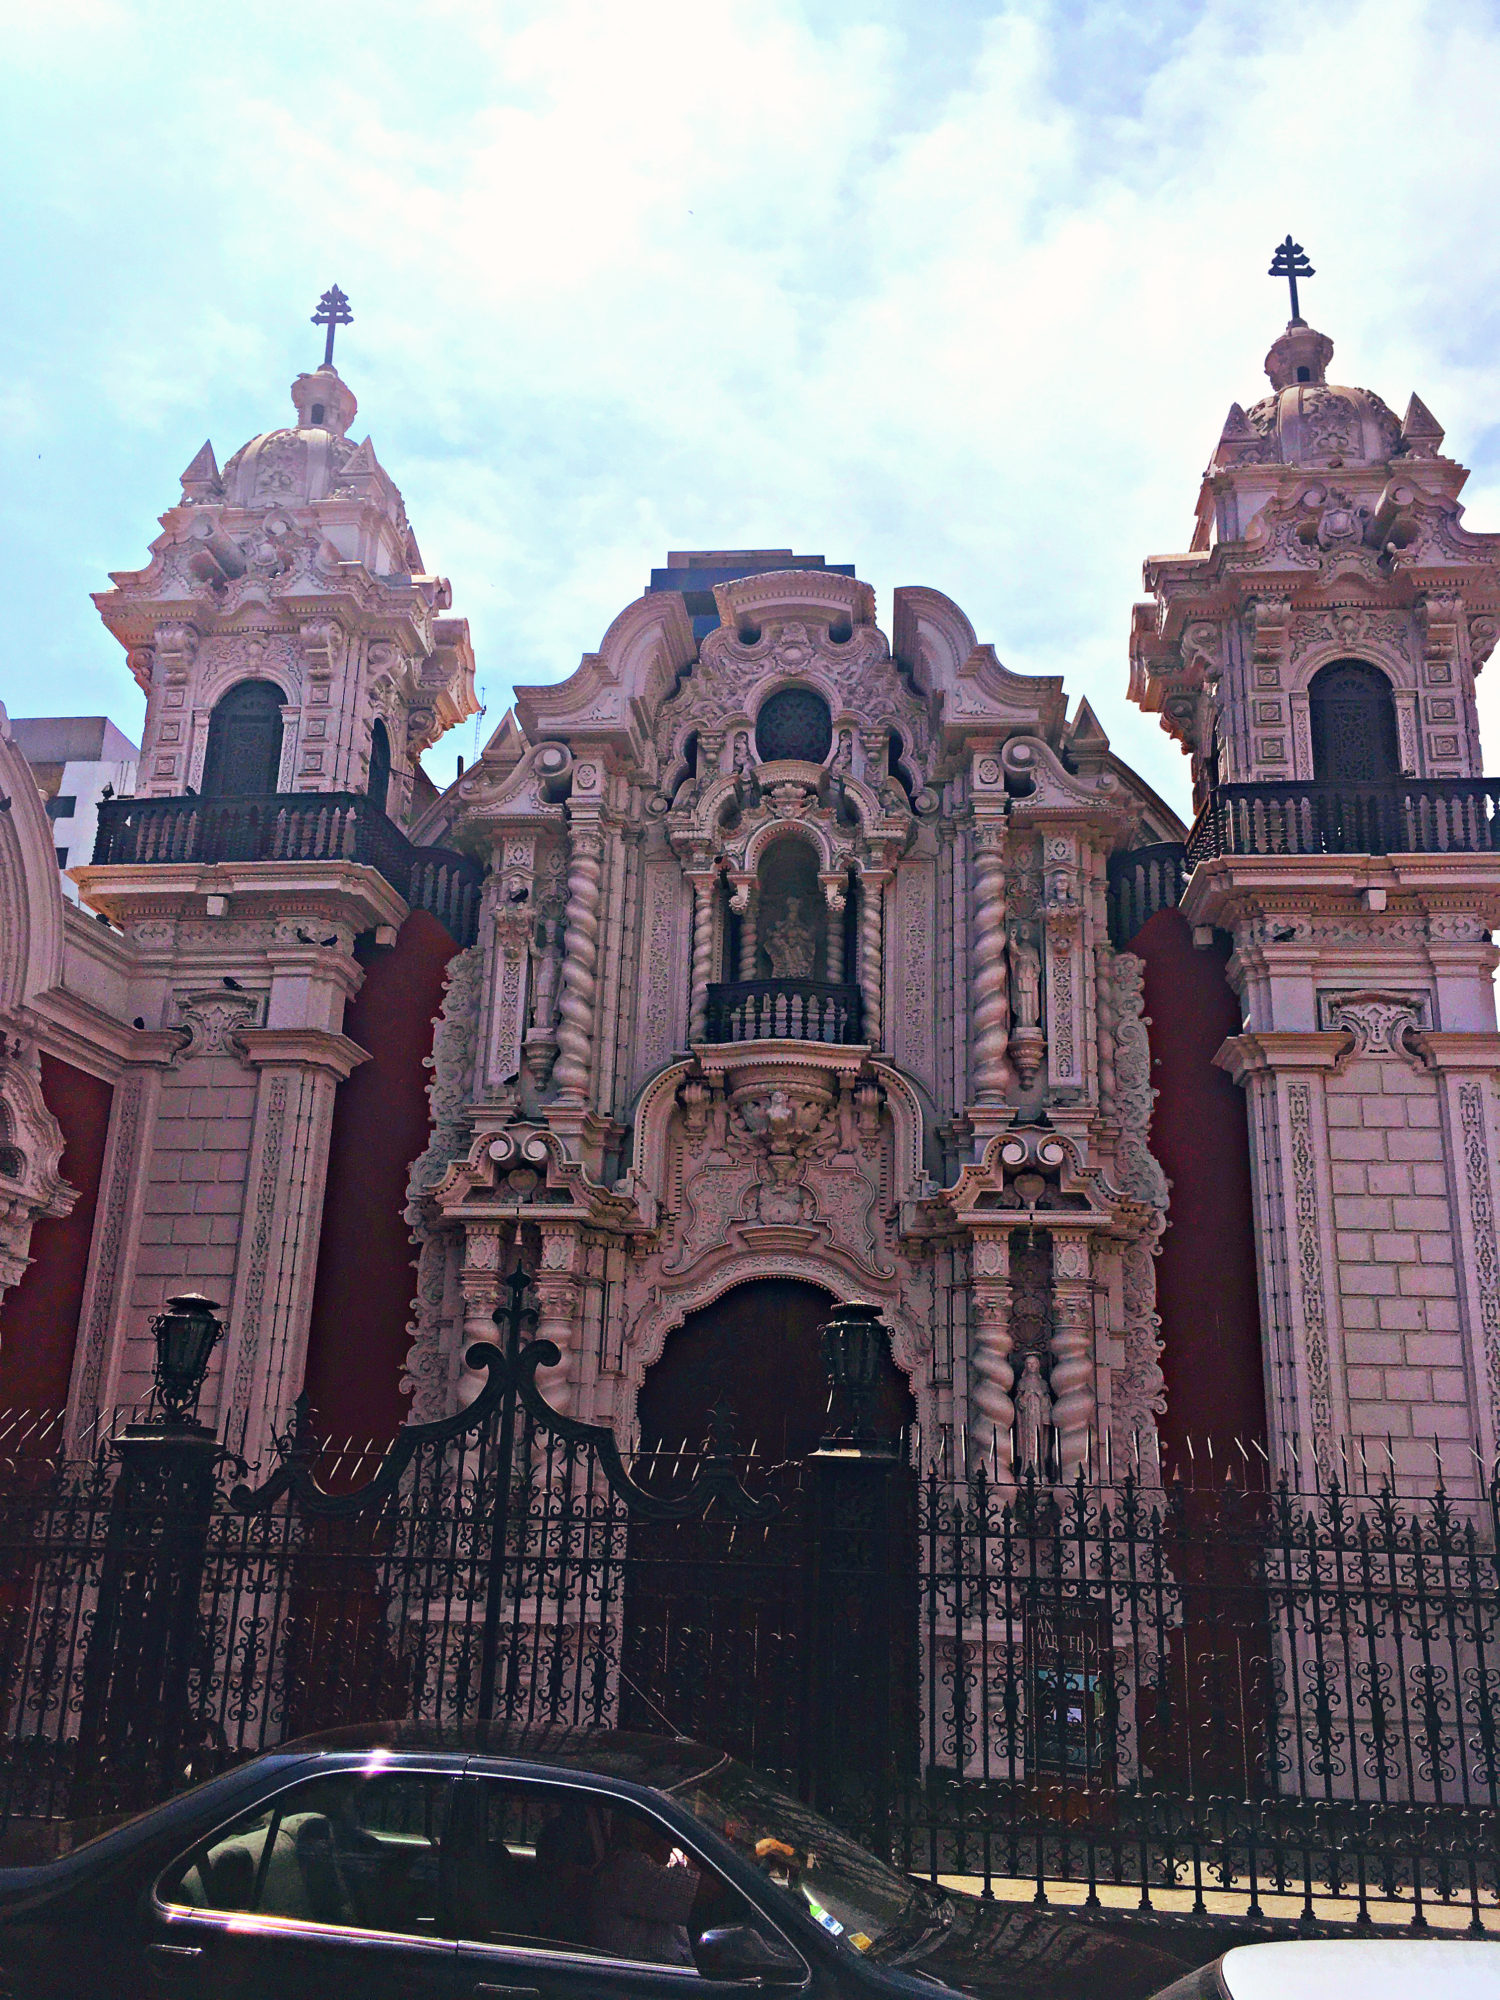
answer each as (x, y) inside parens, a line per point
(1205, 1276)
(366, 1265)
(39, 1316)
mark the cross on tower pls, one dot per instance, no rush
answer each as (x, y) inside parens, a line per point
(333, 311)
(1290, 262)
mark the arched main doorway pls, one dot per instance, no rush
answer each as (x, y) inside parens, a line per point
(757, 1349)
(1353, 724)
(726, 1622)
(243, 758)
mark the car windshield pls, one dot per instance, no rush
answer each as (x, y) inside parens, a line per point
(853, 1895)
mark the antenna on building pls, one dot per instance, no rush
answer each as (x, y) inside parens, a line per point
(333, 312)
(1289, 262)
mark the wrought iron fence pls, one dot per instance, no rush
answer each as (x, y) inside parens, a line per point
(1292, 1704)
(1288, 1701)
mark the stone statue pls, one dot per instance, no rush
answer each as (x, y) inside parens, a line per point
(792, 944)
(1025, 977)
(547, 959)
(1033, 1416)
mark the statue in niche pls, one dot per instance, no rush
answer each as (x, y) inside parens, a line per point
(792, 944)
(547, 975)
(1033, 1416)
(1025, 977)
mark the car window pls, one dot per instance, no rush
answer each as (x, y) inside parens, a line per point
(349, 1849)
(574, 1870)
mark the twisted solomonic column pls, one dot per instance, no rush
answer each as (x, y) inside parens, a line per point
(871, 967)
(575, 1032)
(991, 990)
(1072, 1378)
(746, 905)
(992, 1413)
(703, 954)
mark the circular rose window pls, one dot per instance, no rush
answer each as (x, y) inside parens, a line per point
(794, 723)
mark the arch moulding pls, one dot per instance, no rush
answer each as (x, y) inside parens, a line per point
(647, 1338)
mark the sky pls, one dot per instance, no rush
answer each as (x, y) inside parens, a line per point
(957, 292)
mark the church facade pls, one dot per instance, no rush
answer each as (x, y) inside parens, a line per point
(772, 959)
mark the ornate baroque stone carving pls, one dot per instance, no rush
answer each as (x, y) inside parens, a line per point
(454, 1046)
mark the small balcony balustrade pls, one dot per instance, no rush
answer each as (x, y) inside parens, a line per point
(293, 826)
(784, 1010)
(1397, 816)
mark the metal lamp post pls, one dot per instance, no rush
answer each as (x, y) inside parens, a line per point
(139, 1728)
(863, 1609)
(853, 1343)
(186, 1334)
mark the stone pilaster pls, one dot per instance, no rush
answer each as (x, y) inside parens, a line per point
(265, 1349)
(1074, 1409)
(558, 1293)
(992, 1416)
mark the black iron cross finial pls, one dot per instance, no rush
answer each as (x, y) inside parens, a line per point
(1290, 262)
(333, 311)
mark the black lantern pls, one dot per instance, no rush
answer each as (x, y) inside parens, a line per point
(186, 1334)
(854, 1343)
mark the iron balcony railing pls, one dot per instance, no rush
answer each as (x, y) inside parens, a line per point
(1400, 816)
(1141, 882)
(294, 826)
(784, 1010)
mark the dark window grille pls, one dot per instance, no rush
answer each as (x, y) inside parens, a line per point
(243, 758)
(1353, 725)
(794, 722)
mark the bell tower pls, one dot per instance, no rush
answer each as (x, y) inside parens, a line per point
(286, 632)
(1315, 652)
(296, 657)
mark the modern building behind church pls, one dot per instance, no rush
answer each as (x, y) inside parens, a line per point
(772, 959)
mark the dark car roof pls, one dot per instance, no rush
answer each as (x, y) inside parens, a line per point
(660, 1761)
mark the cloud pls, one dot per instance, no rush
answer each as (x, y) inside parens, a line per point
(961, 300)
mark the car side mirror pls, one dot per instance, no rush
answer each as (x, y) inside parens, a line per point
(736, 1951)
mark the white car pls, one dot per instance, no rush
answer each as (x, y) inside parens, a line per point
(1349, 1969)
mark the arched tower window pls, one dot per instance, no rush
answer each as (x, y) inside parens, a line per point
(1353, 724)
(380, 766)
(243, 759)
(794, 722)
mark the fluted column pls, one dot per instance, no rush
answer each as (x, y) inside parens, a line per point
(704, 884)
(992, 1413)
(872, 883)
(989, 982)
(1072, 1378)
(575, 1033)
(558, 1299)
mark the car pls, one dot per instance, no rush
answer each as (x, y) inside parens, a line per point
(1348, 1969)
(387, 1860)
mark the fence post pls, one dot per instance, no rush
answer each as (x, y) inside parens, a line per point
(136, 1730)
(860, 1706)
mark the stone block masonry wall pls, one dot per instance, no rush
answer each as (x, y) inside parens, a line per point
(1407, 1377)
(193, 1200)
